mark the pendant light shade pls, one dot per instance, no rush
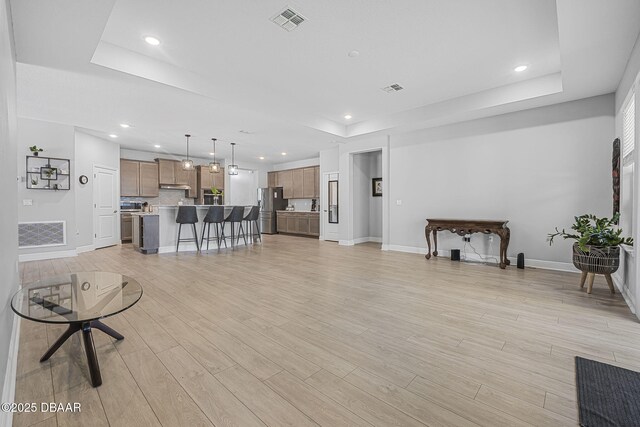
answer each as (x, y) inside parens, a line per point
(187, 164)
(233, 168)
(214, 167)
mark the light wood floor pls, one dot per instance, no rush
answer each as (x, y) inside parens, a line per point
(300, 332)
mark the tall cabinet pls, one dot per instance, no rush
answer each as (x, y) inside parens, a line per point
(138, 179)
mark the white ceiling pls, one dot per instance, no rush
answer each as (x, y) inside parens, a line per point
(223, 67)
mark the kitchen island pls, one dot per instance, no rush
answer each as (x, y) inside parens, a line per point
(169, 228)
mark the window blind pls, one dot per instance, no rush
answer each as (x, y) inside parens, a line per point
(629, 128)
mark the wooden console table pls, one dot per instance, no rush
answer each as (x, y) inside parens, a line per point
(463, 227)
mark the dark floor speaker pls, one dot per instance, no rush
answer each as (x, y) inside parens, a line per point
(455, 254)
(521, 260)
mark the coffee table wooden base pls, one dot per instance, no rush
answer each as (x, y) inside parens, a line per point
(89, 346)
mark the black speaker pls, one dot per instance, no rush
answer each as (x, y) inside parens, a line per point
(521, 260)
(455, 254)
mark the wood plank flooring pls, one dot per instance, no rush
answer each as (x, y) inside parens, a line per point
(300, 332)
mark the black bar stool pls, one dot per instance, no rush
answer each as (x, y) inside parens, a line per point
(215, 215)
(187, 215)
(252, 219)
(236, 217)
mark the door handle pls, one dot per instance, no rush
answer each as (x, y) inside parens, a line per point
(325, 210)
(115, 211)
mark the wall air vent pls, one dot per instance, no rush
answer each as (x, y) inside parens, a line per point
(392, 88)
(288, 19)
(41, 233)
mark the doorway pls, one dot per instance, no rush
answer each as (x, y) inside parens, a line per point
(330, 206)
(105, 207)
(368, 189)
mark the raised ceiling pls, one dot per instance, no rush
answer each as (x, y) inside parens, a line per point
(224, 67)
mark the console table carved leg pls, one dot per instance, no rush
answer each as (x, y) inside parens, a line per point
(435, 242)
(427, 235)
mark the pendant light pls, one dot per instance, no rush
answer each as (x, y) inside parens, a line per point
(187, 164)
(233, 168)
(214, 167)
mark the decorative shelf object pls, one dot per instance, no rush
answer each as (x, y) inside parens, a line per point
(48, 173)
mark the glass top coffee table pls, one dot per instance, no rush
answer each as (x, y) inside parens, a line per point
(79, 300)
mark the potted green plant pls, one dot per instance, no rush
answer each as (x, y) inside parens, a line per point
(35, 150)
(217, 195)
(597, 246)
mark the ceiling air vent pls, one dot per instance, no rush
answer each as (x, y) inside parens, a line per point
(393, 88)
(288, 19)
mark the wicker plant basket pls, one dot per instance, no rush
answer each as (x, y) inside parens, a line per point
(597, 259)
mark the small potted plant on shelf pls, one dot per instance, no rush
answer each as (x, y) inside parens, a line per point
(217, 195)
(35, 150)
(597, 246)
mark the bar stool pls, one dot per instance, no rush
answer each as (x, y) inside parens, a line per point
(236, 217)
(252, 219)
(215, 215)
(187, 215)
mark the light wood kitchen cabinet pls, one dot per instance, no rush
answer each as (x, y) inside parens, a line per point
(181, 175)
(308, 183)
(149, 186)
(316, 185)
(271, 179)
(205, 178)
(218, 180)
(303, 223)
(129, 178)
(192, 182)
(298, 183)
(285, 180)
(166, 171)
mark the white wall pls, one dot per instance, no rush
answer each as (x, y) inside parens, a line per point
(536, 168)
(296, 164)
(627, 277)
(244, 188)
(90, 151)
(57, 141)
(375, 203)
(8, 193)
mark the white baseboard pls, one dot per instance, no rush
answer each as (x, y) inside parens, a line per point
(87, 248)
(47, 255)
(345, 242)
(535, 263)
(366, 240)
(628, 298)
(9, 389)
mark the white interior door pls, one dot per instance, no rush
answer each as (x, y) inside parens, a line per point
(105, 207)
(330, 208)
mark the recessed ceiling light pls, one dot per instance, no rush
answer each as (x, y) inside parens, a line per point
(157, 146)
(261, 157)
(124, 125)
(284, 154)
(152, 40)
(113, 135)
(520, 68)
(348, 117)
(212, 154)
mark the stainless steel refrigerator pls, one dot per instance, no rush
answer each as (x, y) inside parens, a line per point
(270, 200)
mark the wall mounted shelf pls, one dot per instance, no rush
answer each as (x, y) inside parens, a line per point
(48, 173)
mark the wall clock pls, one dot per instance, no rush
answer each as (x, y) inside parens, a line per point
(83, 179)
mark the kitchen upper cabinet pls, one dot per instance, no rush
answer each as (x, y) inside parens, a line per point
(308, 183)
(316, 186)
(205, 178)
(129, 178)
(285, 180)
(138, 179)
(298, 183)
(149, 186)
(166, 171)
(192, 181)
(271, 179)
(181, 175)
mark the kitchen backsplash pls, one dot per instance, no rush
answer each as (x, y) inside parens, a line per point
(166, 197)
(301, 204)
